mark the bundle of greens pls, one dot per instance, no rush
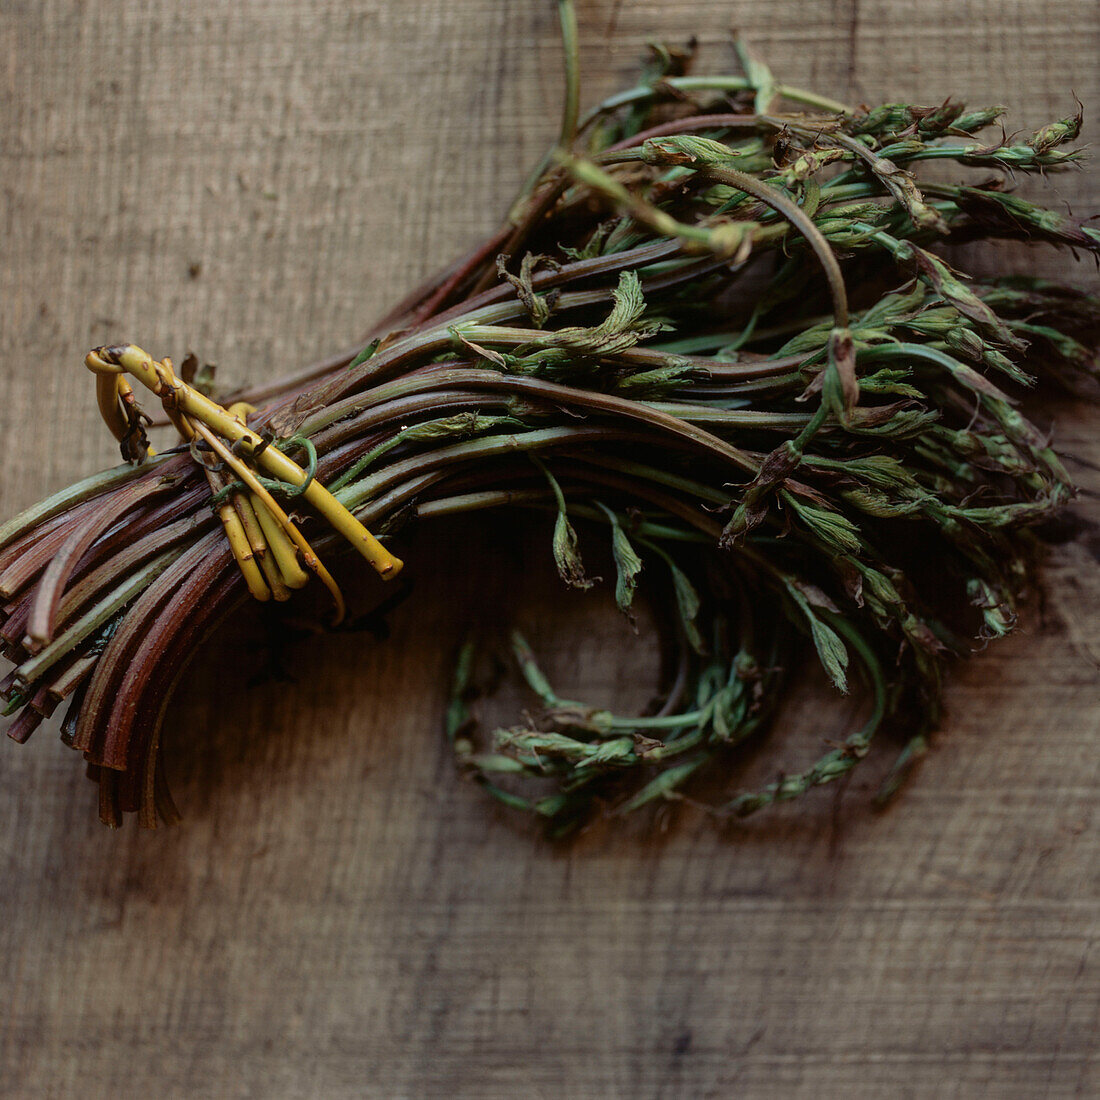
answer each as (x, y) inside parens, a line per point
(713, 332)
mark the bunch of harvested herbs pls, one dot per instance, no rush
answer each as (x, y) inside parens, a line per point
(714, 331)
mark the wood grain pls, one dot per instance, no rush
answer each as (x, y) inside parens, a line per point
(339, 915)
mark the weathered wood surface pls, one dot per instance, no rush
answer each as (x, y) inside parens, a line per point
(339, 915)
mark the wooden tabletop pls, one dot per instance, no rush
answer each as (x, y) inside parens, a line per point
(340, 915)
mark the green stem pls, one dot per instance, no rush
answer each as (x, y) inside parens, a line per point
(571, 106)
(798, 217)
(83, 490)
(92, 620)
(709, 83)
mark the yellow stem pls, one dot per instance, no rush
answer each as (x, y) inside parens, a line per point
(112, 392)
(260, 547)
(107, 397)
(282, 548)
(239, 542)
(274, 578)
(177, 395)
(242, 551)
(250, 479)
(250, 509)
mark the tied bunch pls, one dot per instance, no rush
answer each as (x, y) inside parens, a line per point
(717, 334)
